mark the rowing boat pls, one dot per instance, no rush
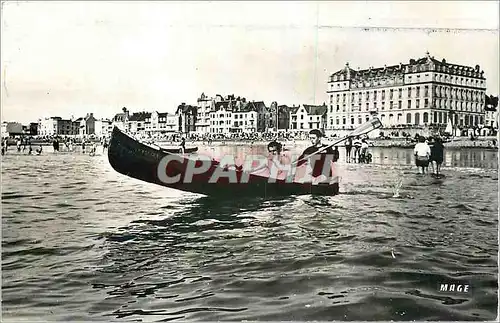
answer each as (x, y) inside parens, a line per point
(178, 150)
(147, 163)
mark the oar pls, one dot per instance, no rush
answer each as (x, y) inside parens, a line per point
(361, 130)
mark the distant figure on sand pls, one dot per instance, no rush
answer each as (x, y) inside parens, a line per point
(183, 145)
(39, 151)
(437, 156)
(422, 154)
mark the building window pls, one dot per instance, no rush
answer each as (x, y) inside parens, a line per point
(383, 94)
(418, 104)
(426, 91)
(409, 104)
(367, 106)
(374, 95)
(426, 117)
(418, 91)
(383, 106)
(391, 94)
(408, 118)
(400, 104)
(417, 118)
(352, 120)
(426, 103)
(409, 92)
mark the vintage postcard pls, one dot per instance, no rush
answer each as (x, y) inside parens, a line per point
(249, 161)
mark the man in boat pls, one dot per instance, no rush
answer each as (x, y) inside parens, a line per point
(320, 161)
(278, 162)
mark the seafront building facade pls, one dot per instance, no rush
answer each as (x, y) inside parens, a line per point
(422, 94)
(307, 117)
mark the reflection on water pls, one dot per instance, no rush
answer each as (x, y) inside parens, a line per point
(463, 158)
(81, 242)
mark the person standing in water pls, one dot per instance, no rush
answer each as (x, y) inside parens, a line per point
(348, 148)
(422, 154)
(437, 155)
(183, 145)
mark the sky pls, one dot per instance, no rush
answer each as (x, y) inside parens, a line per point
(72, 58)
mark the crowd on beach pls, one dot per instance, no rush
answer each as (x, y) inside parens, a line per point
(26, 144)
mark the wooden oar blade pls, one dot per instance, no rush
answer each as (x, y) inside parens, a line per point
(366, 127)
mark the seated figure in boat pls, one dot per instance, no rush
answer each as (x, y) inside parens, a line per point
(319, 167)
(278, 163)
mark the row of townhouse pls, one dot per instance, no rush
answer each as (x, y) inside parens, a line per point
(224, 115)
(84, 126)
(219, 115)
(142, 122)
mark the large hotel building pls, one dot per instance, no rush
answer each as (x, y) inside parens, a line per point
(421, 94)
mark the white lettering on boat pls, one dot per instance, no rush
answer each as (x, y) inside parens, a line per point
(252, 162)
(191, 168)
(162, 169)
(224, 170)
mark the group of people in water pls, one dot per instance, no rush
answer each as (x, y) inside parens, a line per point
(429, 152)
(22, 145)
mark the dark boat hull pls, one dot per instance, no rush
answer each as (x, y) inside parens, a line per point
(134, 159)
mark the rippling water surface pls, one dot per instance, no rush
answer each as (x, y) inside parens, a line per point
(82, 242)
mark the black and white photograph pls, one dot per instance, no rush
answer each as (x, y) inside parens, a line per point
(168, 161)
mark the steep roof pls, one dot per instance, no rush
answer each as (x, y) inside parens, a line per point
(119, 117)
(140, 116)
(315, 109)
(348, 72)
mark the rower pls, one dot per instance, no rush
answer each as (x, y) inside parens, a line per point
(327, 155)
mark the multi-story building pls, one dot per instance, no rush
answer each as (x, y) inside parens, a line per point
(205, 105)
(187, 116)
(284, 117)
(120, 120)
(308, 117)
(103, 128)
(491, 119)
(48, 126)
(421, 94)
(245, 118)
(221, 118)
(152, 123)
(11, 129)
(87, 125)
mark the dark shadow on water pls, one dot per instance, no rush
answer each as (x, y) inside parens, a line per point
(205, 214)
